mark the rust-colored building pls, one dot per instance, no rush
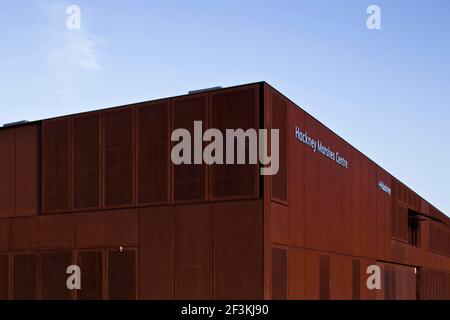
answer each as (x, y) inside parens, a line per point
(99, 190)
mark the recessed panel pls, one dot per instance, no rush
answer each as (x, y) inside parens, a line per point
(86, 161)
(235, 109)
(189, 178)
(118, 157)
(53, 275)
(153, 139)
(122, 274)
(91, 265)
(24, 277)
(55, 153)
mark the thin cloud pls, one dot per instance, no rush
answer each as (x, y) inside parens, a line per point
(77, 49)
(69, 49)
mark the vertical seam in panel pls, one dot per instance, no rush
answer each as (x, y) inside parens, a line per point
(70, 163)
(169, 157)
(11, 280)
(15, 172)
(207, 167)
(210, 209)
(173, 253)
(171, 169)
(286, 144)
(261, 116)
(103, 151)
(138, 257)
(10, 276)
(11, 284)
(210, 195)
(134, 157)
(38, 275)
(38, 163)
(106, 273)
(100, 160)
(75, 262)
(256, 122)
(74, 257)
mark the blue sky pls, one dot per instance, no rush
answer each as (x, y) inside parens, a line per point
(387, 91)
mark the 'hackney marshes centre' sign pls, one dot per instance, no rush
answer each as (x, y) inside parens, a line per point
(317, 145)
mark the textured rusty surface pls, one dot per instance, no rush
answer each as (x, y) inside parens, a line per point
(43, 232)
(153, 157)
(107, 229)
(27, 184)
(7, 169)
(24, 276)
(4, 235)
(143, 228)
(279, 274)
(279, 223)
(339, 213)
(234, 109)
(55, 165)
(189, 180)
(92, 265)
(53, 276)
(279, 122)
(4, 277)
(157, 253)
(118, 154)
(86, 161)
(193, 252)
(122, 274)
(238, 250)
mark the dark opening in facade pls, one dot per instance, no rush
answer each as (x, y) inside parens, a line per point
(413, 228)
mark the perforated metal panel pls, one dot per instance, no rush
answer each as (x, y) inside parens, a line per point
(156, 253)
(235, 109)
(238, 250)
(324, 277)
(193, 252)
(53, 276)
(406, 195)
(153, 140)
(279, 274)
(86, 157)
(279, 121)
(399, 222)
(91, 265)
(25, 277)
(439, 238)
(189, 179)
(4, 277)
(118, 157)
(107, 229)
(7, 173)
(121, 275)
(389, 282)
(28, 159)
(55, 165)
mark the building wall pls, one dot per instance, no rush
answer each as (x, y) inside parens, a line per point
(325, 224)
(99, 190)
(191, 251)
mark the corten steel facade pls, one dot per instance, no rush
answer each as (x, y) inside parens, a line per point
(99, 190)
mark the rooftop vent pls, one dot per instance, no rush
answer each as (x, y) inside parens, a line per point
(13, 124)
(205, 90)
